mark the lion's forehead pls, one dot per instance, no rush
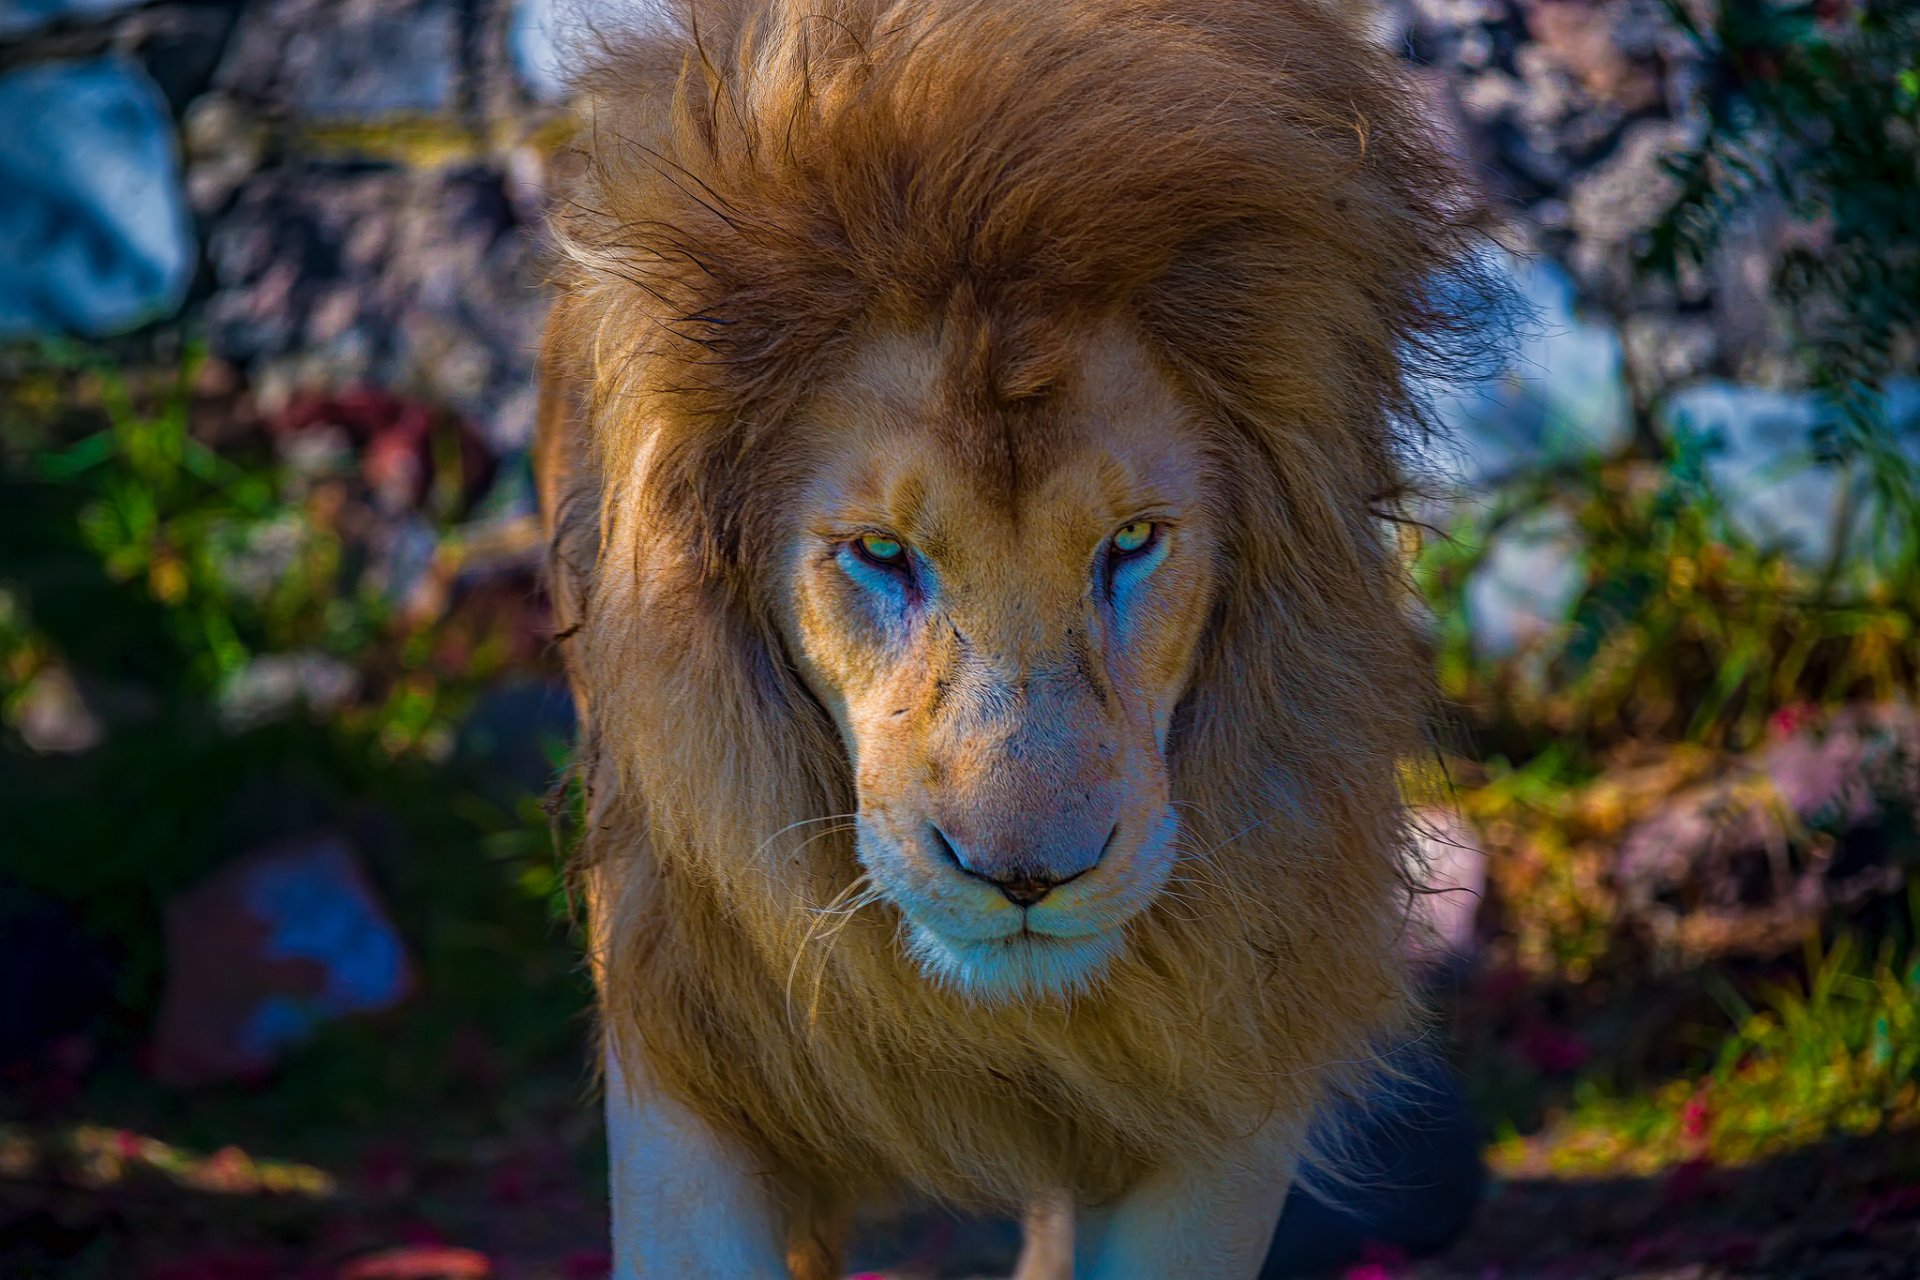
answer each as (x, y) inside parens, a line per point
(908, 442)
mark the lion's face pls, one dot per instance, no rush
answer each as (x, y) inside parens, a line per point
(1001, 623)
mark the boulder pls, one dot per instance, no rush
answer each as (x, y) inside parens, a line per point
(1820, 819)
(94, 233)
(425, 282)
(20, 17)
(338, 60)
(266, 951)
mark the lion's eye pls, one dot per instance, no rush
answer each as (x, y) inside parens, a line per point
(1132, 539)
(881, 550)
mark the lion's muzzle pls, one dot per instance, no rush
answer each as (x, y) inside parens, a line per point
(1026, 870)
(1027, 796)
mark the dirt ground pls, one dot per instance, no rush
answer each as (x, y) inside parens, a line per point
(109, 1203)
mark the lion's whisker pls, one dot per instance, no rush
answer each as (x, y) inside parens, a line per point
(1204, 874)
(1173, 895)
(858, 893)
(803, 822)
(868, 897)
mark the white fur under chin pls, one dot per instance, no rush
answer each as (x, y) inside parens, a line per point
(1022, 966)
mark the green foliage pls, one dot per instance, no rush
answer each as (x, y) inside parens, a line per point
(153, 552)
(1684, 628)
(1816, 104)
(139, 543)
(1688, 635)
(1835, 1052)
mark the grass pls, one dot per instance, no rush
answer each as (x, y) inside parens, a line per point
(1836, 1053)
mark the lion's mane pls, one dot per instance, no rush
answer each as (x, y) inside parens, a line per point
(1252, 188)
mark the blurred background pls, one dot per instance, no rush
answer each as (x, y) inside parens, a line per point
(287, 983)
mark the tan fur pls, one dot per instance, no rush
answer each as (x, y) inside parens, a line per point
(1239, 193)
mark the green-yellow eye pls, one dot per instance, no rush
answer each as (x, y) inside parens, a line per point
(881, 550)
(1133, 538)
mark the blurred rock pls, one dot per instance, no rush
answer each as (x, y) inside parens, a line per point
(225, 142)
(1675, 351)
(346, 59)
(275, 684)
(1752, 860)
(1601, 47)
(94, 234)
(1559, 397)
(1565, 108)
(52, 717)
(17, 17)
(1527, 585)
(536, 39)
(263, 953)
(1612, 205)
(426, 283)
(1761, 460)
(549, 36)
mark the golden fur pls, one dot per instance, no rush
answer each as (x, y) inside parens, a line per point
(1246, 191)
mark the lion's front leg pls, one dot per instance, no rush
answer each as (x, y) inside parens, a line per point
(686, 1205)
(1046, 1253)
(1214, 1220)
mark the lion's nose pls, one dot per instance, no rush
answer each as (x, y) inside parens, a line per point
(1024, 891)
(1023, 877)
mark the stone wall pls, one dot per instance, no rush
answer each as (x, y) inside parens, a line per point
(360, 183)
(348, 191)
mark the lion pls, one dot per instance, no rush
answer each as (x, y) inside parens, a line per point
(970, 436)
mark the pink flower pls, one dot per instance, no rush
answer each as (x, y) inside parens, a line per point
(1696, 1118)
(1789, 720)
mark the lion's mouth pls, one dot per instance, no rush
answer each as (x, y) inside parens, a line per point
(980, 943)
(1027, 964)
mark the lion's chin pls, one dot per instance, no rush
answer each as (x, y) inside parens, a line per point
(1024, 966)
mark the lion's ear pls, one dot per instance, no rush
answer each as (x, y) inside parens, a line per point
(566, 476)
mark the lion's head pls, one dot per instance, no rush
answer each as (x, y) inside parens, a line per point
(1000, 605)
(970, 430)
